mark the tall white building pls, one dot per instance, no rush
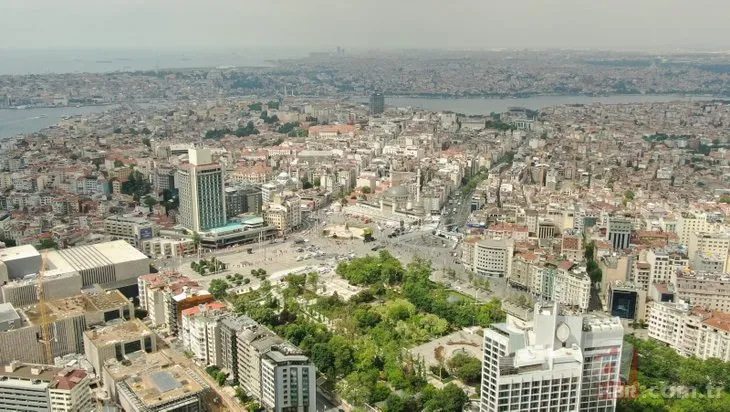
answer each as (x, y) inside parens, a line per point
(202, 196)
(551, 362)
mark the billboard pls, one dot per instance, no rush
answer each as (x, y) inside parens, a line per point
(145, 233)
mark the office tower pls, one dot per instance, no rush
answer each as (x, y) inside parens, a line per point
(544, 361)
(619, 232)
(377, 103)
(202, 200)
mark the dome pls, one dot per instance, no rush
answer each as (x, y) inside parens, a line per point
(397, 191)
(283, 176)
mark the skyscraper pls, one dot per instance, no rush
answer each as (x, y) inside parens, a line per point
(544, 361)
(202, 198)
(377, 103)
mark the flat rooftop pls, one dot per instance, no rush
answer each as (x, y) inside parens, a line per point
(120, 332)
(101, 254)
(135, 363)
(30, 371)
(161, 385)
(18, 252)
(77, 305)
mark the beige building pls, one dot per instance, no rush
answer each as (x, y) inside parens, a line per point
(117, 340)
(709, 290)
(710, 245)
(69, 318)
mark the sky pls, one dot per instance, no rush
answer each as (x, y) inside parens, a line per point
(364, 24)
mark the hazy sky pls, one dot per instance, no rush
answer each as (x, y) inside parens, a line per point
(320, 24)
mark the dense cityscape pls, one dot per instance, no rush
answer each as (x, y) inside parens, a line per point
(286, 239)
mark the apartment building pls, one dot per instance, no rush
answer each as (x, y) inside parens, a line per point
(709, 290)
(562, 283)
(551, 362)
(200, 331)
(165, 295)
(133, 229)
(715, 246)
(691, 331)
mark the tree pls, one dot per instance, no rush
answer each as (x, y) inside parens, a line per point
(118, 163)
(150, 202)
(316, 182)
(9, 242)
(629, 195)
(366, 190)
(218, 288)
(146, 140)
(48, 243)
(313, 281)
(74, 156)
(196, 241)
(465, 367)
(307, 185)
(449, 399)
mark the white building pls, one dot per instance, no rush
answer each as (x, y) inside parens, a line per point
(691, 331)
(551, 362)
(42, 388)
(492, 257)
(618, 232)
(200, 331)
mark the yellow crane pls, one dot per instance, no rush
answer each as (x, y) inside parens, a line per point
(43, 311)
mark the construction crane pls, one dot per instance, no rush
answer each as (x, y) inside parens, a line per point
(43, 310)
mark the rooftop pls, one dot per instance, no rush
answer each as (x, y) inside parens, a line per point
(120, 332)
(161, 385)
(28, 371)
(107, 253)
(18, 252)
(67, 378)
(77, 305)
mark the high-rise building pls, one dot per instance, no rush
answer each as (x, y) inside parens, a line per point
(202, 199)
(377, 103)
(243, 198)
(619, 232)
(547, 361)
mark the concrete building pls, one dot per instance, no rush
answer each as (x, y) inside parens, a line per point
(132, 229)
(32, 387)
(200, 331)
(551, 362)
(165, 295)
(572, 247)
(244, 198)
(166, 248)
(148, 383)
(492, 257)
(202, 199)
(689, 223)
(618, 232)
(69, 391)
(626, 300)
(562, 283)
(709, 290)
(70, 317)
(691, 331)
(116, 341)
(274, 371)
(715, 246)
(377, 103)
